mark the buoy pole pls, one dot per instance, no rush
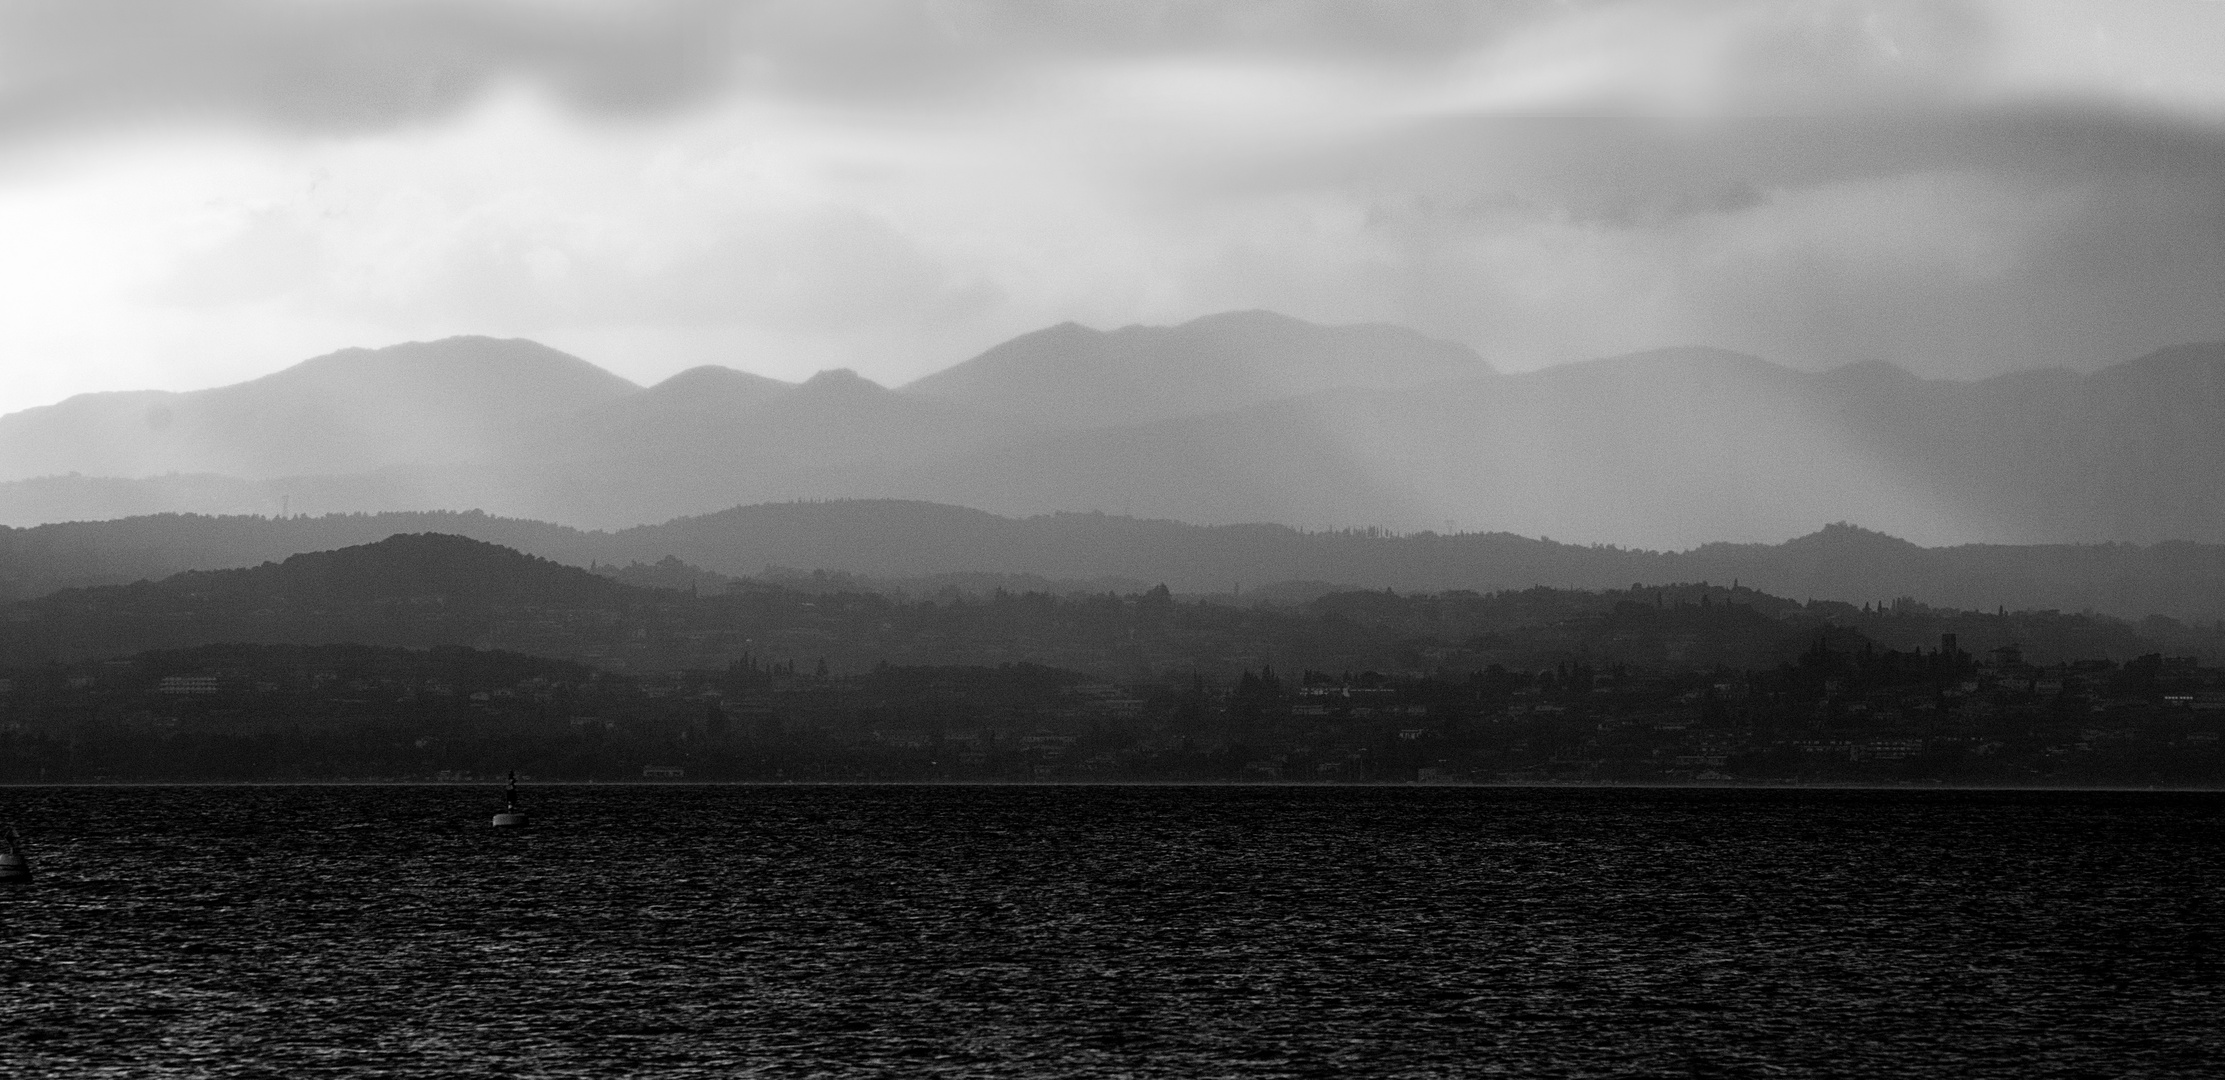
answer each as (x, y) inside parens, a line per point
(510, 815)
(15, 867)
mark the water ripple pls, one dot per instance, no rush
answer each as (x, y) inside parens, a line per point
(818, 931)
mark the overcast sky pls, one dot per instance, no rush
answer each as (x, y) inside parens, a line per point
(193, 194)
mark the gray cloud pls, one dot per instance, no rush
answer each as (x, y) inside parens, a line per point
(1962, 239)
(1630, 170)
(344, 66)
(353, 65)
(1903, 77)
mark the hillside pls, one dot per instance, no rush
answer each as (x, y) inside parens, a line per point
(414, 590)
(453, 573)
(898, 539)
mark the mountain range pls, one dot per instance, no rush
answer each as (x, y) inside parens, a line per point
(1236, 418)
(928, 547)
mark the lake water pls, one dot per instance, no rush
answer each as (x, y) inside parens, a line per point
(1091, 931)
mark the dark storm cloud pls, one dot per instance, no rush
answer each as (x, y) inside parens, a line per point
(1636, 171)
(348, 65)
(1959, 240)
(897, 49)
(341, 65)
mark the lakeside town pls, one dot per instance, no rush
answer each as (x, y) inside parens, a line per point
(1841, 712)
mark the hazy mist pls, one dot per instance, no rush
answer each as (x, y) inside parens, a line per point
(194, 198)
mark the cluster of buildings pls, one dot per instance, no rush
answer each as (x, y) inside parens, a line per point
(1832, 716)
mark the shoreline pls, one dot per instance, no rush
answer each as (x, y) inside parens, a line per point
(1103, 784)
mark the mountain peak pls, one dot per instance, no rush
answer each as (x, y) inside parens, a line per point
(461, 356)
(1841, 536)
(350, 411)
(713, 385)
(842, 381)
(1071, 376)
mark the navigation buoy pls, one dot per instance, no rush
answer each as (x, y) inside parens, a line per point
(510, 815)
(15, 867)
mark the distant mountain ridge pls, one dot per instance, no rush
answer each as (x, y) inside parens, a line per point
(1070, 376)
(350, 411)
(1228, 419)
(900, 539)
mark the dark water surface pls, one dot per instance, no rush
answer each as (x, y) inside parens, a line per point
(797, 931)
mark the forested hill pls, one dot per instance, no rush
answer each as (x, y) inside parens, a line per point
(901, 539)
(451, 572)
(45, 558)
(425, 590)
(415, 590)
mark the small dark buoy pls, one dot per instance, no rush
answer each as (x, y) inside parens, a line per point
(15, 866)
(510, 815)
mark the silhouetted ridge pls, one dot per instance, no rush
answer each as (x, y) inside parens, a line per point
(429, 590)
(912, 539)
(1842, 537)
(351, 411)
(456, 360)
(431, 567)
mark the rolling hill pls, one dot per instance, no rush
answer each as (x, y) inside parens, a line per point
(912, 540)
(432, 590)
